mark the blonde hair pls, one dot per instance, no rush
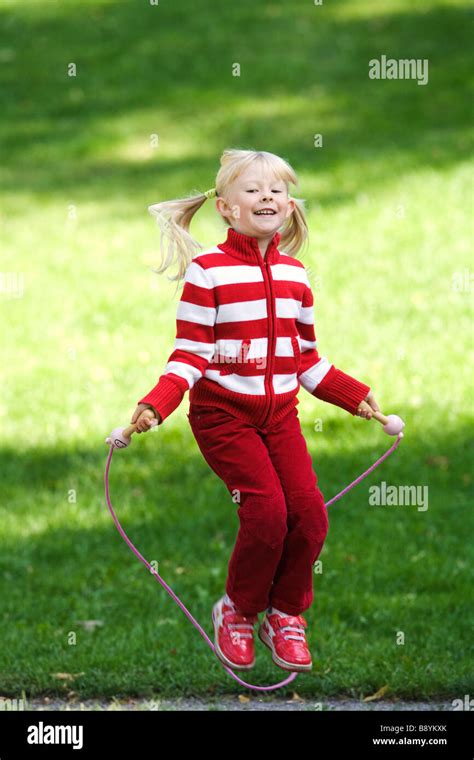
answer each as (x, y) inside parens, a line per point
(174, 217)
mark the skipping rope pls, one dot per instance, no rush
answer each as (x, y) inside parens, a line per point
(120, 438)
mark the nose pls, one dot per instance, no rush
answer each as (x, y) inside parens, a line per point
(267, 197)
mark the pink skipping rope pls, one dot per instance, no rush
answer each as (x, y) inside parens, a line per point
(179, 602)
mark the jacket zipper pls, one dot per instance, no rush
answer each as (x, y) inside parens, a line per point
(266, 271)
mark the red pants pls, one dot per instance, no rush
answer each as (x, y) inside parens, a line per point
(282, 514)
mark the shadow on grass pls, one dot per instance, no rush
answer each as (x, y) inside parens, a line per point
(167, 70)
(380, 569)
(175, 505)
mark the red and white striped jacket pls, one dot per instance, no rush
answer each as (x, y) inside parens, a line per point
(245, 338)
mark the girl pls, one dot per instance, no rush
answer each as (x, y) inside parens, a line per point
(245, 342)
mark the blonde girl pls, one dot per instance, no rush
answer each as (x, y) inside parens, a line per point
(245, 343)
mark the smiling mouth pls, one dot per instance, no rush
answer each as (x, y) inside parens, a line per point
(264, 213)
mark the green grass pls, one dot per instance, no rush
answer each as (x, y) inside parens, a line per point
(390, 224)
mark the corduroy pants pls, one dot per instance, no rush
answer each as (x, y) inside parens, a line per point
(282, 515)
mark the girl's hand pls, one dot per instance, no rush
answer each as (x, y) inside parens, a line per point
(367, 409)
(142, 416)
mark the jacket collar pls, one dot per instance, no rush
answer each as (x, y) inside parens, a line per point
(246, 247)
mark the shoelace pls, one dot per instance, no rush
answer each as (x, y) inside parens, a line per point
(293, 628)
(299, 628)
(241, 625)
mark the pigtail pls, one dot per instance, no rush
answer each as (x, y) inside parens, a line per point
(176, 244)
(294, 233)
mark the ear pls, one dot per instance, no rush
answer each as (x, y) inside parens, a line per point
(223, 207)
(291, 207)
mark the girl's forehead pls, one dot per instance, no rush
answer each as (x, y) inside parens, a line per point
(253, 176)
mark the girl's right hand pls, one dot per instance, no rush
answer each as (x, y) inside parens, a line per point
(142, 416)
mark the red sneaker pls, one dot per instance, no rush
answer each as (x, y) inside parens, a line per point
(285, 638)
(233, 636)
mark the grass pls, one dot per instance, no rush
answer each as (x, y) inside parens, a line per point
(389, 213)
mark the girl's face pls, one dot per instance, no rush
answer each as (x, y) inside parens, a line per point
(252, 192)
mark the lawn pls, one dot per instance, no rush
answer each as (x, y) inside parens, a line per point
(88, 328)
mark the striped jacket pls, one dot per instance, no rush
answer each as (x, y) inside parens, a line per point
(245, 338)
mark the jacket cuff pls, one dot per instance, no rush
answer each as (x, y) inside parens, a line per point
(166, 396)
(341, 389)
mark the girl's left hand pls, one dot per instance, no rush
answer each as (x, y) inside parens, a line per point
(367, 409)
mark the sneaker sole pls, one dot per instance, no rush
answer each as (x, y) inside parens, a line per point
(265, 639)
(220, 654)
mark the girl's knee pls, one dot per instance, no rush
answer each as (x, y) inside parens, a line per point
(265, 517)
(307, 511)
